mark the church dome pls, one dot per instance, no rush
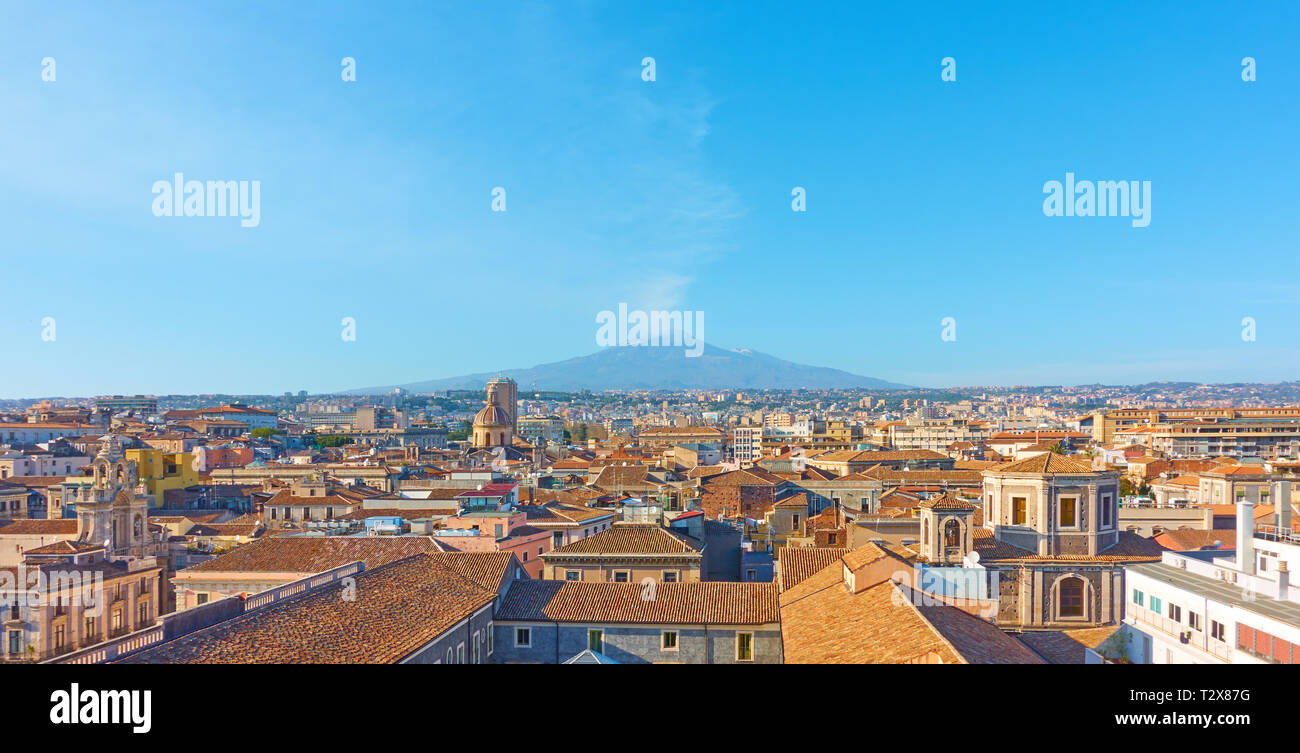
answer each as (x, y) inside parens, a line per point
(492, 415)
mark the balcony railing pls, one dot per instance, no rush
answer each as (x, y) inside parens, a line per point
(1273, 533)
(1197, 639)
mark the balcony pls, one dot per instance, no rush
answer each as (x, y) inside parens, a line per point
(1281, 535)
(1172, 628)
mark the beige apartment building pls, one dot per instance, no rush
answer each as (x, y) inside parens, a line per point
(934, 434)
(74, 597)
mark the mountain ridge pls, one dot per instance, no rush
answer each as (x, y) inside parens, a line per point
(645, 367)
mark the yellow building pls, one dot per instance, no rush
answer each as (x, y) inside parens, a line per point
(160, 471)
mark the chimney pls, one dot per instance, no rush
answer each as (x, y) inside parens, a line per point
(1283, 581)
(1246, 536)
(1282, 504)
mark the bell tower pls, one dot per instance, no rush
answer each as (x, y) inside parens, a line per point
(946, 523)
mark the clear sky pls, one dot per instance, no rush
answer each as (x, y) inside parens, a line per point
(924, 197)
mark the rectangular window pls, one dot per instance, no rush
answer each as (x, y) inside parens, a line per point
(1106, 512)
(1155, 605)
(744, 646)
(1137, 597)
(88, 632)
(596, 640)
(1069, 512)
(573, 575)
(15, 642)
(491, 639)
(60, 637)
(1175, 613)
(1217, 631)
(460, 653)
(669, 576)
(669, 642)
(621, 576)
(1194, 621)
(477, 644)
(1019, 511)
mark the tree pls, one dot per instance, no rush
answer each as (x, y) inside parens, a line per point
(264, 432)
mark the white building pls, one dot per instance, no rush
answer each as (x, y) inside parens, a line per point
(1212, 608)
(748, 444)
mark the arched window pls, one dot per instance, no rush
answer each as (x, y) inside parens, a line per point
(1071, 597)
(952, 534)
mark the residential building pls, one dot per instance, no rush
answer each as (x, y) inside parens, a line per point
(1219, 607)
(628, 553)
(550, 622)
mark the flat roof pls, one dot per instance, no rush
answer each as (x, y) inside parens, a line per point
(1227, 593)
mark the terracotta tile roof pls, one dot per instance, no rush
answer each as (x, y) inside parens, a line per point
(863, 555)
(563, 516)
(1048, 463)
(1187, 540)
(1238, 470)
(314, 554)
(624, 477)
(822, 622)
(810, 473)
(34, 481)
(934, 476)
(704, 602)
(225, 529)
(946, 501)
(632, 538)
(799, 500)
(798, 563)
(286, 497)
(35, 526)
(744, 477)
(399, 608)
(64, 547)
(976, 640)
(194, 516)
(1066, 646)
(899, 498)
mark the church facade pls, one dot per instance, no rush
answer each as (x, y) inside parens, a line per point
(1047, 537)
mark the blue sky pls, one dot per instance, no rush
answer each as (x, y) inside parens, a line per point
(924, 198)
